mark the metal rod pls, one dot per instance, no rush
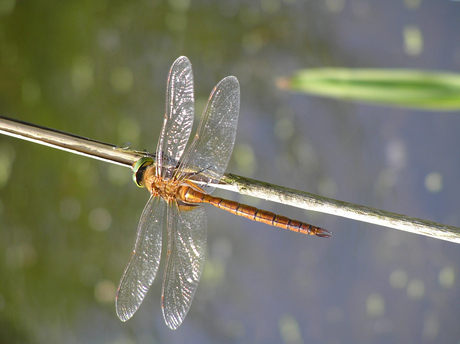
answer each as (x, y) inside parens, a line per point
(308, 201)
(246, 186)
(69, 142)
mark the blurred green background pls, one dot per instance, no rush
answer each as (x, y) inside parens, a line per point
(98, 69)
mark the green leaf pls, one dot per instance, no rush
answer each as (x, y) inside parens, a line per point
(393, 87)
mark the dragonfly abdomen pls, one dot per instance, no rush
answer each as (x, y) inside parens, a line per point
(193, 196)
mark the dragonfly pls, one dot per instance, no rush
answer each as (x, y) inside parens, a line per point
(179, 180)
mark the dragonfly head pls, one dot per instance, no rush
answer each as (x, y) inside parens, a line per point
(139, 169)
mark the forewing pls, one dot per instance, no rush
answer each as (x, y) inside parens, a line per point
(143, 263)
(178, 119)
(212, 146)
(184, 262)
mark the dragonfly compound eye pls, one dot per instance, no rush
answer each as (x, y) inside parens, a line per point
(139, 169)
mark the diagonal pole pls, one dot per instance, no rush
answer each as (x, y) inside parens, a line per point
(245, 186)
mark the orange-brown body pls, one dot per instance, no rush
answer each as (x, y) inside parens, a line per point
(190, 196)
(188, 193)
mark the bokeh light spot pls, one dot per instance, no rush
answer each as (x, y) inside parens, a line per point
(7, 155)
(82, 73)
(245, 159)
(284, 129)
(100, 219)
(446, 277)
(105, 291)
(433, 182)
(398, 279)
(289, 330)
(413, 40)
(122, 79)
(375, 305)
(416, 289)
(335, 6)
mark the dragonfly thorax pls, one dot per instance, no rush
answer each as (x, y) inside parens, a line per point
(158, 186)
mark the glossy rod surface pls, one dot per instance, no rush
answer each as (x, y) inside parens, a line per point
(69, 142)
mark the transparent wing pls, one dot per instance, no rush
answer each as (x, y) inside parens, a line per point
(184, 262)
(178, 119)
(212, 146)
(143, 264)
